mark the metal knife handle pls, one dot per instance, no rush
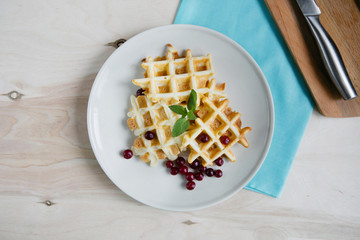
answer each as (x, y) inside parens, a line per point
(332, 59)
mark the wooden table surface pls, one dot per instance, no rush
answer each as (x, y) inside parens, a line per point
(51, 186)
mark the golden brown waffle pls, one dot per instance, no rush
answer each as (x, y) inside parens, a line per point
(171, 78)
(215, 119)
(158, 118)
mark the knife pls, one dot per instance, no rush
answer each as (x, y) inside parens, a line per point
(329, 52)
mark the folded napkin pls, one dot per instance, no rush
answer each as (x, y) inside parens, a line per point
(249, 23)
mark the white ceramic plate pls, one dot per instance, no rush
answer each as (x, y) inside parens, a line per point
(109, 103)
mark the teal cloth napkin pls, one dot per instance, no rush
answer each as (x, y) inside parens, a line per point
(250, 24)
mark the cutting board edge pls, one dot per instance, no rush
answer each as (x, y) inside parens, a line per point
(324, 111)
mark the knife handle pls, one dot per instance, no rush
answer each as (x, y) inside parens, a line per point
(332, 59)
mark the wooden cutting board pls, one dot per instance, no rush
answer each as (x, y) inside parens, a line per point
(341, 19)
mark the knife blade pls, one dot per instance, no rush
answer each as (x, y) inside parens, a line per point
(329, 52)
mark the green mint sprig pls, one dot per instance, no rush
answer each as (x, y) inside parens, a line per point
(182, 124)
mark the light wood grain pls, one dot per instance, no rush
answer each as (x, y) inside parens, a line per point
(51, 186)
(341, 18)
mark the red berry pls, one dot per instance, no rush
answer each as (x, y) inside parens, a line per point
(190, 185)
(169, 164)
(204, 137)
(127, 154)
(183, 170)
(199, 176)
(149, 135)
(140, 92)
(224, 140)
(219, 161)
(201, 168)
(190, 176)
(218, 173)
(195, 164)
(209, 172)
(180, 161)
(174, 170)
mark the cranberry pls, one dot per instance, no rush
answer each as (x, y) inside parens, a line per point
(174, 170)
(209, 172)
(224, 140)
(190, 185)
(195, 164)
(202, 169)
(199, 176)
(218, 173)
(219, 161)
(127, 154)
(169, 164)
(139, 92)
(190, 176)
(204, 137)
(183, 170)
(149, 135)
(180, 161)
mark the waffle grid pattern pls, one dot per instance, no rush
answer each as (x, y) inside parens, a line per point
(156, 117)
(215, 119)
(171, 80)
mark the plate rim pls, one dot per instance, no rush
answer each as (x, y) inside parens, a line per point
(269, 97)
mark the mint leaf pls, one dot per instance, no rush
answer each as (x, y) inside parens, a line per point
(178, 110)
(180, 126)
(191, 104)
(191, 115)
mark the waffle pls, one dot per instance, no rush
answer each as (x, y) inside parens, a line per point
(215, 119)
(170, 79)
(144, 116)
